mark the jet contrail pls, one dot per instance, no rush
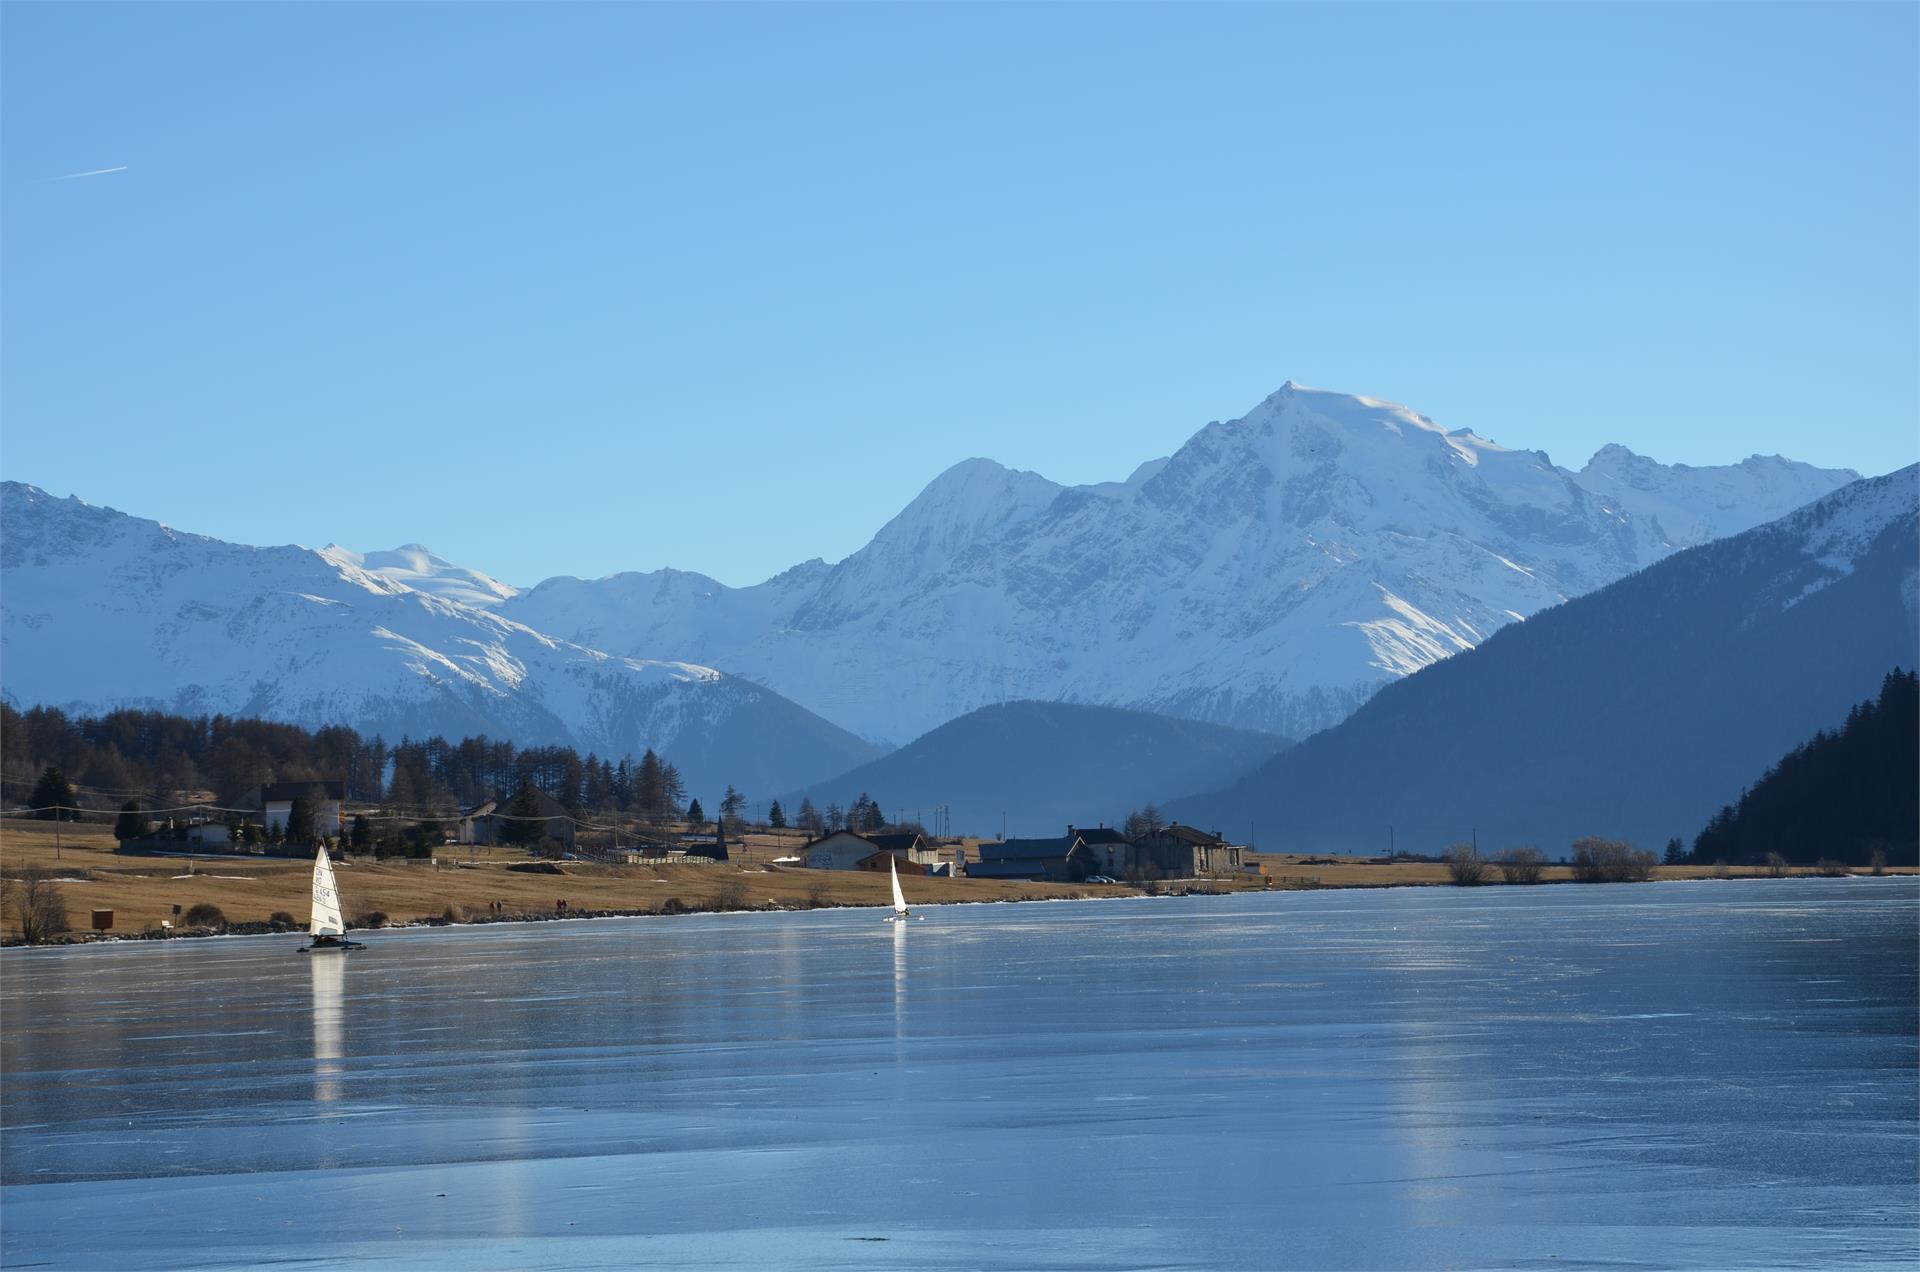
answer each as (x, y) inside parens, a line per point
(97, 172)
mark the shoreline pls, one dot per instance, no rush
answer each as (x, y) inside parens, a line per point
(140, 897)
(243, 930)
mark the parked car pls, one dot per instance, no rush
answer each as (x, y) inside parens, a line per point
(1101, 879)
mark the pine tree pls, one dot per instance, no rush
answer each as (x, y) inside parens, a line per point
(809, 817)
(696, 815)
(132, 823)
(676, 790)
(361, 836)
(776, 816)
(1676, 853)
(300, 827)
(730, 805)
(650, 787)
(523, 824)
(52, 798)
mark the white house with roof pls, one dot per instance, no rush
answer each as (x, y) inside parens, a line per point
(274, 801)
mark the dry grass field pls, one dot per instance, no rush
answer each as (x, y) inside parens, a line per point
(143, 891)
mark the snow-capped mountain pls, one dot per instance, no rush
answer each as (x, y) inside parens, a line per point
(419, 570)
(1686, 506)
(103, 610)
(1636, 711)
(1272, 574)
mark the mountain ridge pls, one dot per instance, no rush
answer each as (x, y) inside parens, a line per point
(1272, 573)
(105, 610)
(1635, 711)
(1037, 767)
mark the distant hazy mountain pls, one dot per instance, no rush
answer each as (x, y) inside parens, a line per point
(1637, 711)
(1043, 765)
(104, 610)
(1273, 573)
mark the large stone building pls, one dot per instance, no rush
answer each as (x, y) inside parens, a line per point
(1182, 852)
(1172, 852)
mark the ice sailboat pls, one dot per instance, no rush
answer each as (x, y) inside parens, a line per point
(900, 912)
(327, 928)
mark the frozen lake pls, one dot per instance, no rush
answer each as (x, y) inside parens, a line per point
(1708, 1074)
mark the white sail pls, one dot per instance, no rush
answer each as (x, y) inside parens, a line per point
(899, 899)
(326, 899)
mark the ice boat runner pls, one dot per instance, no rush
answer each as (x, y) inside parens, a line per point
(328, 929)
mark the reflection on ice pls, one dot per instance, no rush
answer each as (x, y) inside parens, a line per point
(899, 978)
(329, 974)
(1665, 1075)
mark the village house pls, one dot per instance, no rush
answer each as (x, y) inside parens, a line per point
(1113, 853)
(209, 834)
(487, 823)
(1182, 852)
(846, 850)
(908, 845)
(877, 863)
(274, 802)
(473, 823)
(1063, 860)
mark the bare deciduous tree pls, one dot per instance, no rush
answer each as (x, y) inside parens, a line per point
(1521, 865)
(1465, 865)
(1597, 860)
(38, 910)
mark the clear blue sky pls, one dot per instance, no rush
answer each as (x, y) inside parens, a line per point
(574, 289)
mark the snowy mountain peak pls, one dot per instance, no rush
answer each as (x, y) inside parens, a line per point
(415, 567)
(975, 498)
(106, 610)
(1684, 505)
(1372, 424)
(1271, 573)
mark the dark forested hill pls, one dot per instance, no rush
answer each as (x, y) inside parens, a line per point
(1843, 795)
(161, 759)
(1047, 764)
(1633, 712)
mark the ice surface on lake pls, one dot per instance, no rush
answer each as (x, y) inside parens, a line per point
(1710, 1074)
